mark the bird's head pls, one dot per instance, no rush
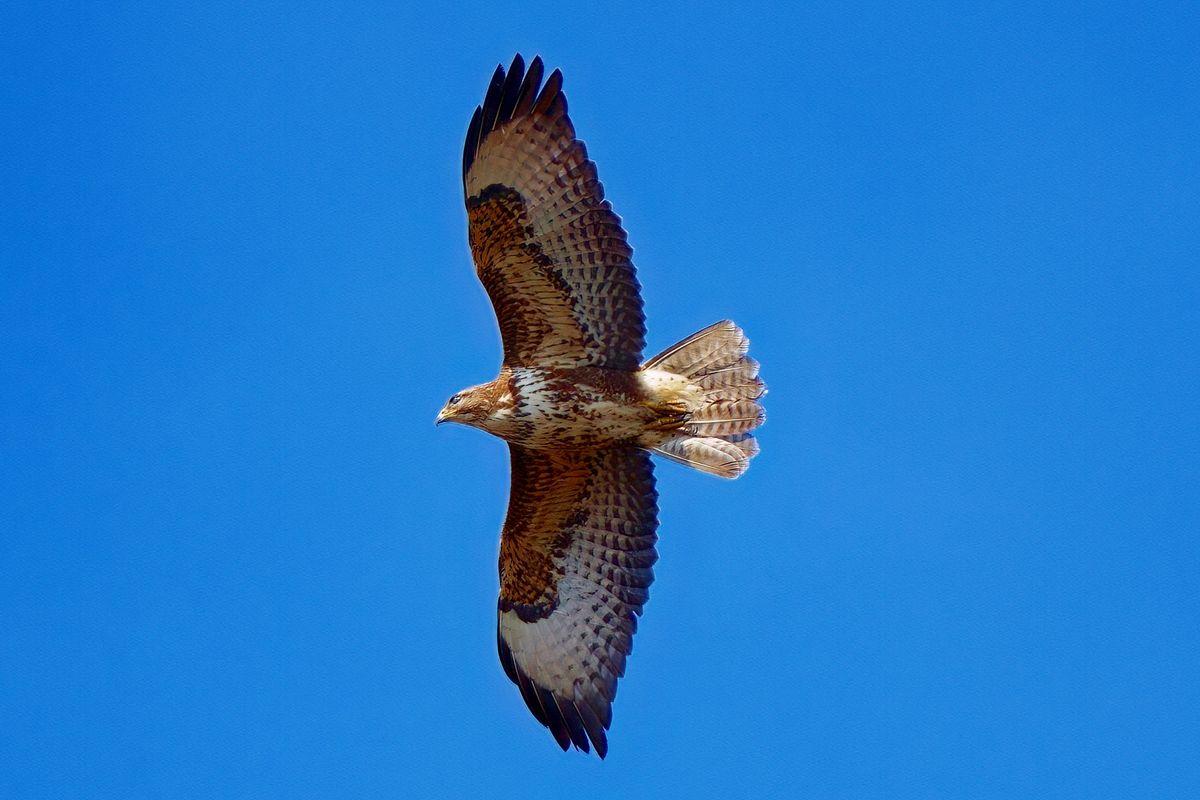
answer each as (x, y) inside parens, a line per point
(468, 407)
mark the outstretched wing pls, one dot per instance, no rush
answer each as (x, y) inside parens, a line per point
(547, 246)
(576, 563)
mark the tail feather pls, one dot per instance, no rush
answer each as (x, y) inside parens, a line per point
(725, 417)
(719, 345)
(736, 392)
(708, 454)
(717, 435)
(741, 373)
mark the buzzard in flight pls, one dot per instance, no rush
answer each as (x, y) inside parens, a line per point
(580, 410)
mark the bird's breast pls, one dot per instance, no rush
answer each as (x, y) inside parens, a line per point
(585, 407)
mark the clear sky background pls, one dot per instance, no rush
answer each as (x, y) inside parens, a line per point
(237, 559)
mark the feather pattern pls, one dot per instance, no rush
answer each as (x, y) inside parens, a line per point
(576, 564)
(717, 435)
(548, 247)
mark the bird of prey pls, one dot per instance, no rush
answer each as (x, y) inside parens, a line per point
(580, 410)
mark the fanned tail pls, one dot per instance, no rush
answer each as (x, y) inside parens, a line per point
(724, 388)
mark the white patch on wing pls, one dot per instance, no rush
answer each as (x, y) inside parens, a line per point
(564, 652)
(567, 663)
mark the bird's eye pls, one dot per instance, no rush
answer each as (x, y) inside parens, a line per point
(454, 400)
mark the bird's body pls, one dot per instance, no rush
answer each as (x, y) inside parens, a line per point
(580, 410)
(583, 407)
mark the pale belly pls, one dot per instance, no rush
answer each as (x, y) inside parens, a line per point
(582, 408)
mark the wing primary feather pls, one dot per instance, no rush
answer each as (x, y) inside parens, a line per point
(499, 103)
(570, 717)
(591, 724)
(484, 119)
(471, 146)
(556, 722)
(506, 657)
(550, 92)
(529, 88)
(602, 709)
(491, 102)
(530, 692)
(545, 708)
(512, 89)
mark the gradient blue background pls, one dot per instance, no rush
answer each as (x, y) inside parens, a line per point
(237, 560)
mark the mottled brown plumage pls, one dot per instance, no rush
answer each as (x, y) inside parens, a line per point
(577, 406)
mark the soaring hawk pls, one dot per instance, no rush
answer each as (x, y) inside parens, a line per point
(580, 410)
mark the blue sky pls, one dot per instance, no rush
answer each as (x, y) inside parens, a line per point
(238, 560)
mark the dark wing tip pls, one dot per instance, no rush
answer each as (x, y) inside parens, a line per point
(570, 722)
(529, 88)
(551, 93)
(471, 146)
(511, 95)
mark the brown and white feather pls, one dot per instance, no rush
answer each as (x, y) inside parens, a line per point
(547, 246)
(576, 559)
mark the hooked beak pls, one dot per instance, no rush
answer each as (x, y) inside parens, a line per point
(442, 416)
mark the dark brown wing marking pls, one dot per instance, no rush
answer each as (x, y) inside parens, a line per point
(547, 246)
(576, 563)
